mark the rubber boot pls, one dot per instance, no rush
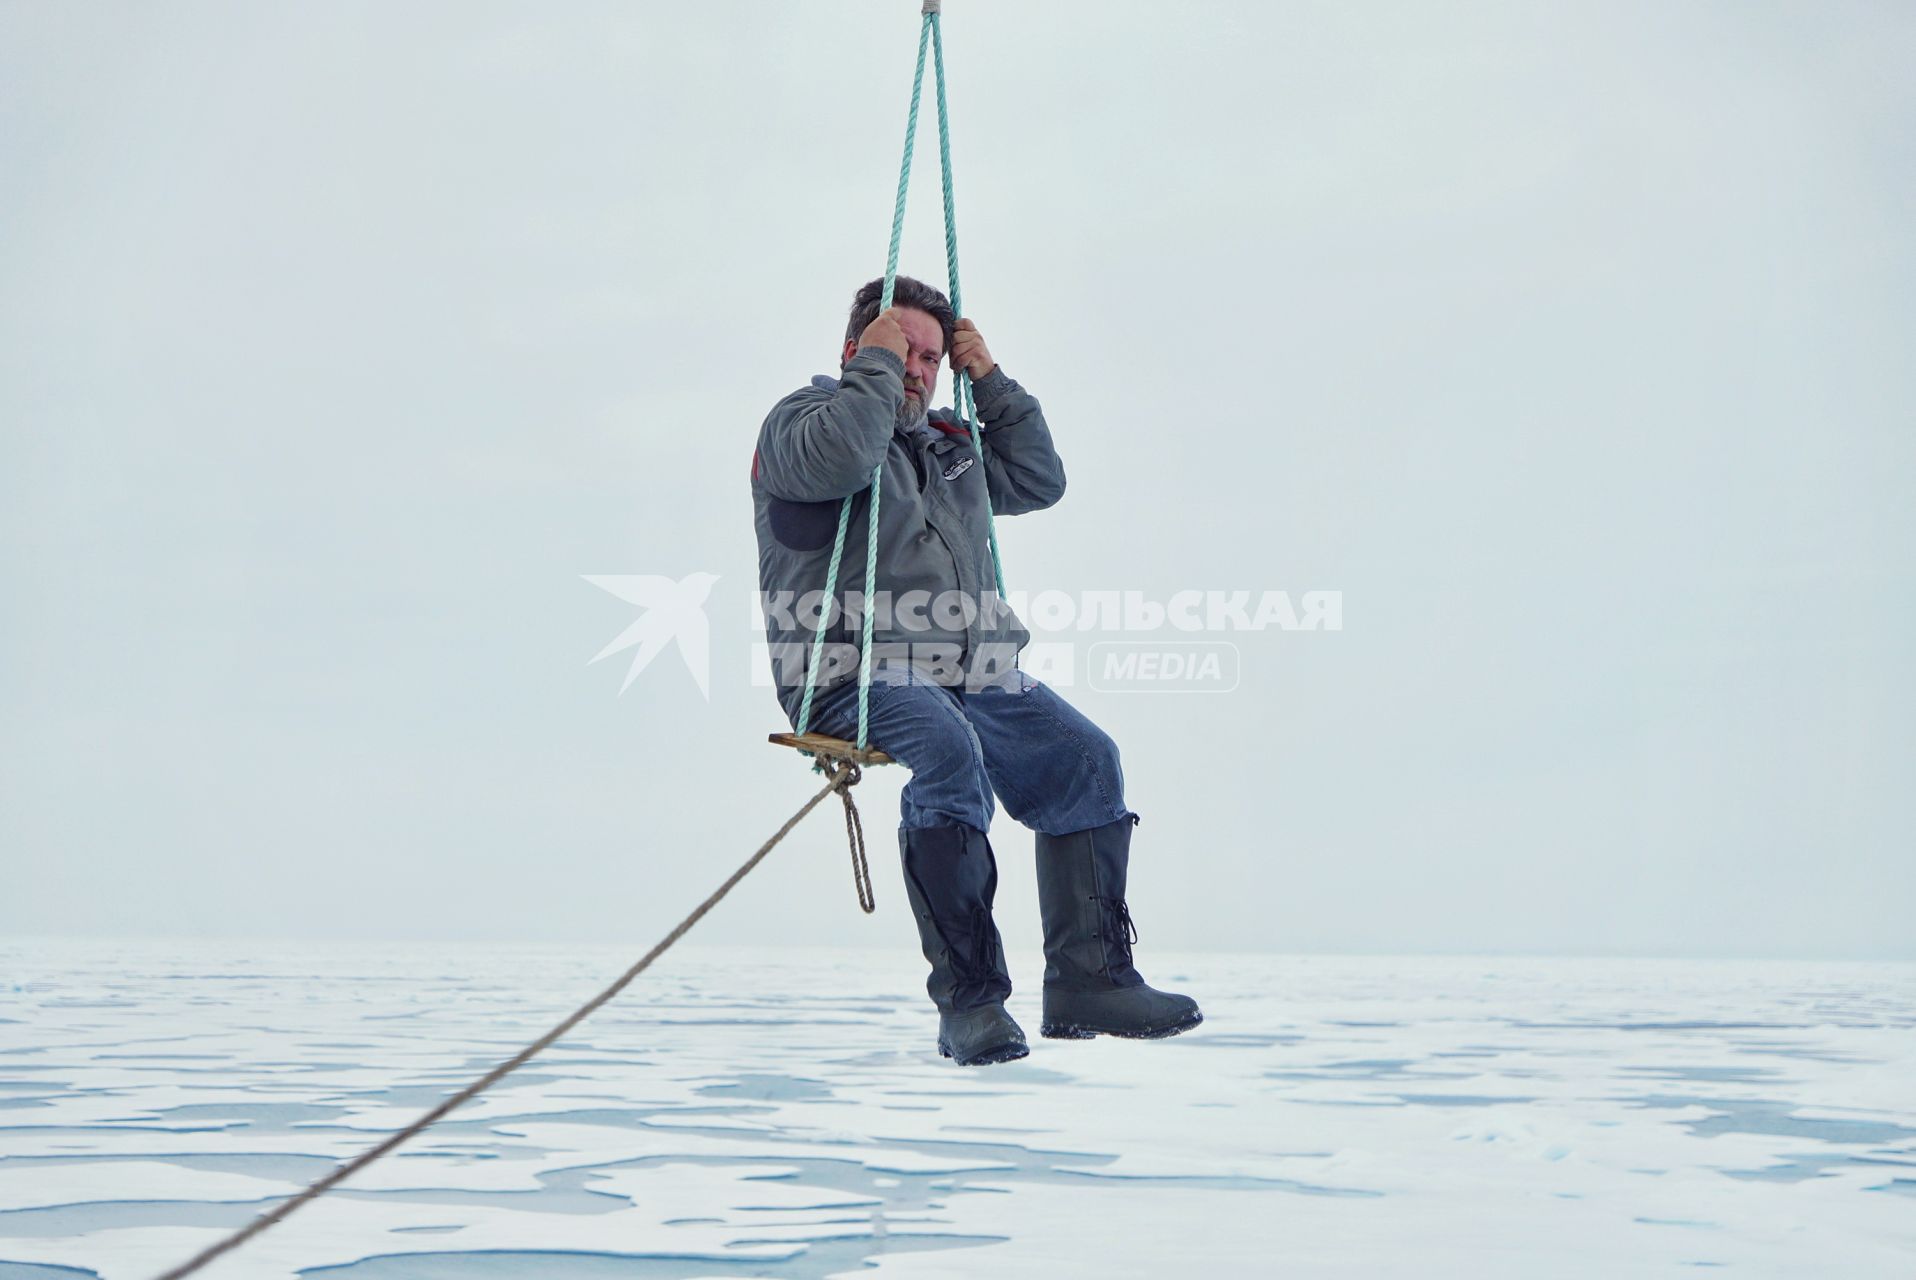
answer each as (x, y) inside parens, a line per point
(951, 879)
(1090, 985)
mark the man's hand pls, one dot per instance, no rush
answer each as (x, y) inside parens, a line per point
(968, 351)
(886, 332)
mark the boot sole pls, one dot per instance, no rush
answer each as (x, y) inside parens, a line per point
(1076, 1031)
(1001, 1053)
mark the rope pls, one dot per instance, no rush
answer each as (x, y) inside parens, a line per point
(845, 512)
(932, 32)
(865, 643)
(841, 776)
(824, 612)
(904, 169)
(961, 380)
(855, 836)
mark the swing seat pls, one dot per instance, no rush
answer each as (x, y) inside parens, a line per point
(820, 745)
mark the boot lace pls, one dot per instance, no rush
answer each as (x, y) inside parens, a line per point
(1124, 933)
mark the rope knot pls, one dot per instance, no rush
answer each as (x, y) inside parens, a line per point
(843, 773)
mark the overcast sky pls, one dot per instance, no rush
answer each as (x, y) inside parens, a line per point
(1570, 343)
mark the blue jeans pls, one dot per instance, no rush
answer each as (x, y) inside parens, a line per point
(1055, 770)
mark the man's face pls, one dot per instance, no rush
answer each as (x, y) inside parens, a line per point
(921, 362)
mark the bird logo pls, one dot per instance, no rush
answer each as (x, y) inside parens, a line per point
(674, 611)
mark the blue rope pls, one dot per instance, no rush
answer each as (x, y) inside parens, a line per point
(961, 380)
(845, 512)
(930, 33)
(818, 640)
(904, 170)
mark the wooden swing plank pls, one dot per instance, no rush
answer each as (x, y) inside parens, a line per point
(824, 746)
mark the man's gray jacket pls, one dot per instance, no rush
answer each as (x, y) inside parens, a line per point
(936, 592)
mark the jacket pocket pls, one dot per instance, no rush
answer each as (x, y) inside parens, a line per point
(804, 526)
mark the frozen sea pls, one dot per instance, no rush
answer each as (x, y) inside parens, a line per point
(786, 1114)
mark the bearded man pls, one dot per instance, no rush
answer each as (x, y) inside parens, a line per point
(947, 699)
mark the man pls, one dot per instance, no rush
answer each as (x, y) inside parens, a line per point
(946, 697)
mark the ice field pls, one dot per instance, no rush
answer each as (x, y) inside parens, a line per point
(786, 1114)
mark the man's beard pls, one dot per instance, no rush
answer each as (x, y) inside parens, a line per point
(910, 413)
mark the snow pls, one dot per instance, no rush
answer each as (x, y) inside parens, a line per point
(786, 1113)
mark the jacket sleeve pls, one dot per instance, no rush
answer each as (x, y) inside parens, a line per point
(818, 445)
(1022, 470)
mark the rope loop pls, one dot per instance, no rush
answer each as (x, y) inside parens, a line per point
(841, 775)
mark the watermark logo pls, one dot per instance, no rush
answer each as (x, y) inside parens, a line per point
(1153, 666)
(674, 614)
(1167, 644)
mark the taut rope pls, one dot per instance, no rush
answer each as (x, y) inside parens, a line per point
(841, 775)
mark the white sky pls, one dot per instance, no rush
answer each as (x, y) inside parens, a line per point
(1571, 343)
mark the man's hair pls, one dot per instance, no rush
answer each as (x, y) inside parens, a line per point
(906, 292)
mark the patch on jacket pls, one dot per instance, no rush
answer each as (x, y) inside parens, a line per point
(803, 526)
(959, 468)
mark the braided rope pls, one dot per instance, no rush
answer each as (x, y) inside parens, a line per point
(961, 380)
(845, 511)
(855, 836)
(824, 612)
(840, 776)
(904, 170)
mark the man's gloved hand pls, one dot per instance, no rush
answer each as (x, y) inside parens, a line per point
(968, 351)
